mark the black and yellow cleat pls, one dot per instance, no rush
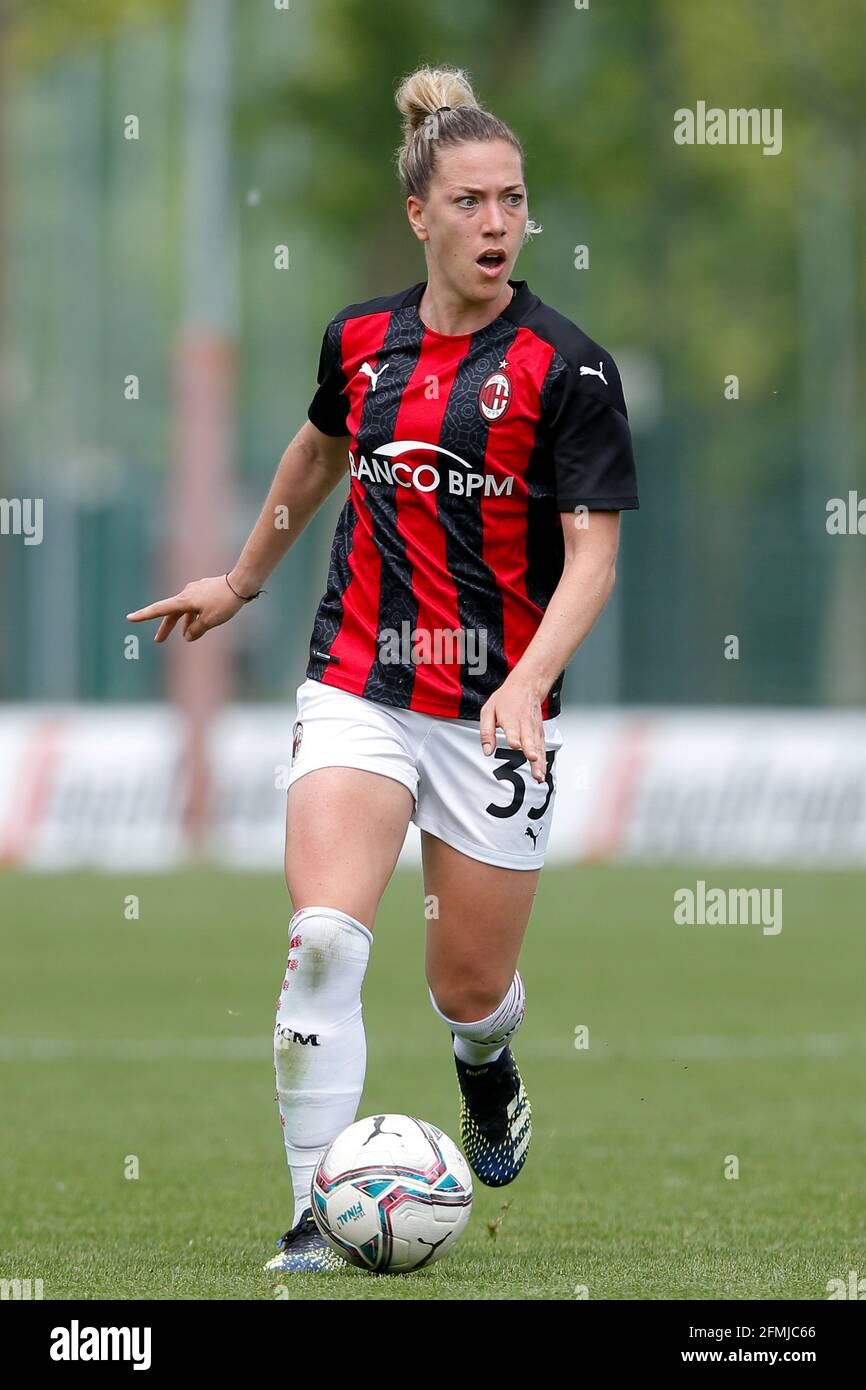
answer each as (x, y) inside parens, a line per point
(304, 1251)
(495, 1119)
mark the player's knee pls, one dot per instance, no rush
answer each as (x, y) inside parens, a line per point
(467, 1001)
(328, 955)
(321, 938)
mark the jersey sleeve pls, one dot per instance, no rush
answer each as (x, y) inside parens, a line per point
(590, 440)
(329, 407)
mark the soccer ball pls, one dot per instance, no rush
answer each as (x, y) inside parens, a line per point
(392, 1194)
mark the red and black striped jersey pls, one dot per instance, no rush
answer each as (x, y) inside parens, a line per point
(462, 453)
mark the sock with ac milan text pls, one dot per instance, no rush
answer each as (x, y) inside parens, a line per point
(320, 1050)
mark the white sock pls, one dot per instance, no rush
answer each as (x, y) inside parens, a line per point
(485, 1039)
(320, 1051)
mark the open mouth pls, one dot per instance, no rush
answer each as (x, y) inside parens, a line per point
(491, 259)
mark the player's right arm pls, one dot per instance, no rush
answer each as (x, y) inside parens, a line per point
(308, 472)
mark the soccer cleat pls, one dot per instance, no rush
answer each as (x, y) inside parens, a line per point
(304, 1251)
(495, 1119)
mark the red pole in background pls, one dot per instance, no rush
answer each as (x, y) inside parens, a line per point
(201, 491)
(200, 674)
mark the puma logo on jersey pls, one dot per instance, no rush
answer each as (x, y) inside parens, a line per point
(374, 376)
(533, 834)
(591, 371)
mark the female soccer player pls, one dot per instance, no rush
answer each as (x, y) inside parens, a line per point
(489, 456)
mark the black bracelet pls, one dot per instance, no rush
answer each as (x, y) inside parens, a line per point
(242, 596)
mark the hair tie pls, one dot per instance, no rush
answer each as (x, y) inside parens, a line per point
(441, 108)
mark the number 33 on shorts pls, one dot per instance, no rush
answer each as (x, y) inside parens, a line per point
(490, 807)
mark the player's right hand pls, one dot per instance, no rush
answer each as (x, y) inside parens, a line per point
(203, 604)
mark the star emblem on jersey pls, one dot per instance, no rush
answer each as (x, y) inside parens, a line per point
(495, 1119)
(495, 395)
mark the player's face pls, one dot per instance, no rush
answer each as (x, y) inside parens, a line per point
(476, 203)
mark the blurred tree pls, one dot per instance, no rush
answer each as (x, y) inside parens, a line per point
(46, 32)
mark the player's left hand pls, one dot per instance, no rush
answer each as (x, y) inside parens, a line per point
(516, 709)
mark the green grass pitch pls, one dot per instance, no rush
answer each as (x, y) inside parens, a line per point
(152, 1038)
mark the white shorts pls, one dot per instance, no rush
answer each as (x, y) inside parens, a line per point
(489, 808)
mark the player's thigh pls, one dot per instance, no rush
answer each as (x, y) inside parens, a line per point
(477, 917)
(345, 828)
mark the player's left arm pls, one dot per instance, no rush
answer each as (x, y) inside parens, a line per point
(588, 576)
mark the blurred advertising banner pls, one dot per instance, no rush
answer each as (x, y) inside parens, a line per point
(105, 787)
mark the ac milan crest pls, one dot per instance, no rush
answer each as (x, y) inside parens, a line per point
(297, 735)
(494, 396)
